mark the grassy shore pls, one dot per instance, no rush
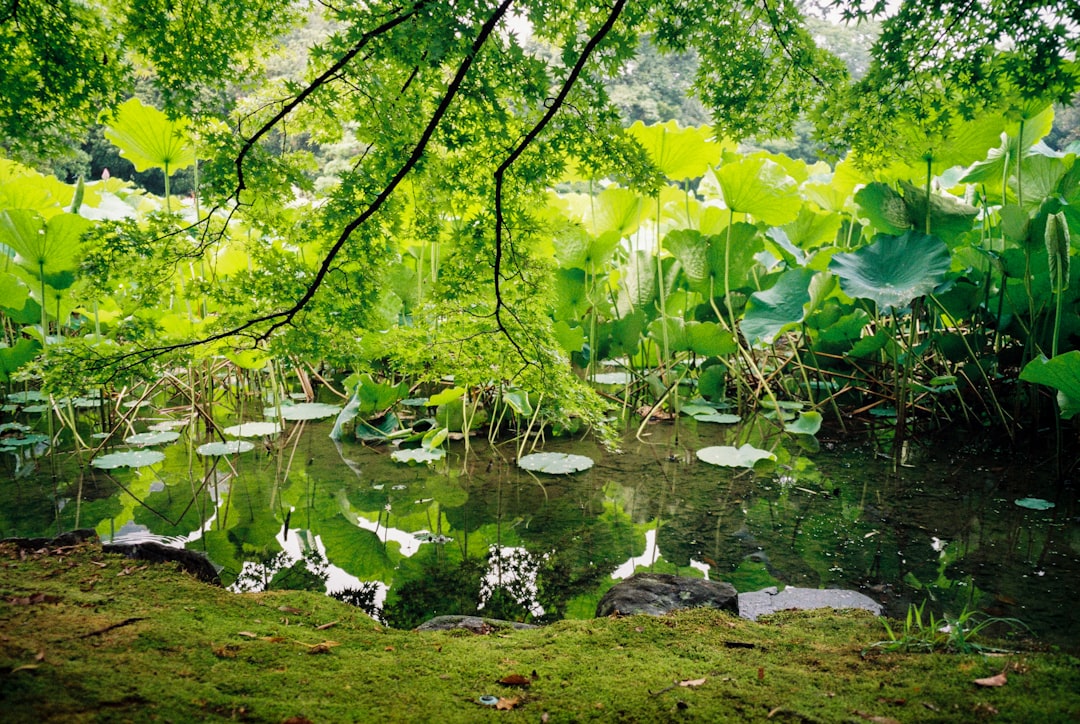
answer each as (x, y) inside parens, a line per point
(86, 636)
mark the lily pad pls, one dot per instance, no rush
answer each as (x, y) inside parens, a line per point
(1034, 503)
(153, 438)
(721, 418)
(25, 441)
(253, 429)
(128, 459)
(555, 463)
(232, 447)
(304, 411)
(733, 457)
(413, 456)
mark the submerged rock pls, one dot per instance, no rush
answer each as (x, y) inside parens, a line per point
(655, 594)
(769, 600)
(194, 562)
(476, 624)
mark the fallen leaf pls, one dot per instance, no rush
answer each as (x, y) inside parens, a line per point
(327, 625)
(692, 682)
(507, 704)
(515, 680)
(875, 719)
(273, 639)
(997, 680)
(761, 673)
(290, 609)
(322, 648)
(389, 648)
(248, 634)
(24, 667)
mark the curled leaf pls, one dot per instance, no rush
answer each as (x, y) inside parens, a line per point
(692, 682)
(507, 704)
(996, 680)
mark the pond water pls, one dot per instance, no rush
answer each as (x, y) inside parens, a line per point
(474, 532)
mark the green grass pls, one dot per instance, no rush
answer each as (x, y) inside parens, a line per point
(89, 637)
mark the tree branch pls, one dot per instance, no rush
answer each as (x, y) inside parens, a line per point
(500, 173)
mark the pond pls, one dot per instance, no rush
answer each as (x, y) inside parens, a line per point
(474, 532)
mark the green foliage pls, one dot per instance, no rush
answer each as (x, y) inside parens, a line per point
(924, 633)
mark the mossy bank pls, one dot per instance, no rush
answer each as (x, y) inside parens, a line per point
(88, 636)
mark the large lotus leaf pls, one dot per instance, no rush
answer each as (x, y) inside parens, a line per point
(709, 339)
(1031, 124)
(128, 459)
(232, 447)
(780, 307)
(893, 270)
(377, 397)
(884, 207)
(555, 463)
(570, 339)
(571, 302)
(303, 411)
(679, 153)
(760, 187)
(14, 358)
(147, 138)
(13, 291)
(1063, 374)
(949, 218)
(637, 282)
(355, 550)
(615, 210)
(50, 250)
(702, 257)
(812, 228)
(733, 457)
(960, 142)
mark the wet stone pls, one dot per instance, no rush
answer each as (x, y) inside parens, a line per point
(656, 594)
(769, 600)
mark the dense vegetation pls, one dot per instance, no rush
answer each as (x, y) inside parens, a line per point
(484, 201)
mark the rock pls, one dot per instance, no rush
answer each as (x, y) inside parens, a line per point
(655, 594)
(71, 538)
(194, 562)
(476, 624)
(769, 600)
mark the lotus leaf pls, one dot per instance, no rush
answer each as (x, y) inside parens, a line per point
(232, 447)
(304, 411)
(152, 438)
(253, 429)
(555, 463)
(413, 456)
(721, 418)
(128, 459)
(612, 378)
(25, 441)
(1034, 503)
(893, 270)
(1063, 374)
(733, 457)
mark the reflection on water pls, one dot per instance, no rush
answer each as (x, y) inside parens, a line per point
(477, 534)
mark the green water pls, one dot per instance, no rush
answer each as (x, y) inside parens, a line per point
(410, 542)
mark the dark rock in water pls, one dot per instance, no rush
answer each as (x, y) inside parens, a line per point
(194, 562)
(655, 594)
(769, 600)
(71, 538)
(476, 624)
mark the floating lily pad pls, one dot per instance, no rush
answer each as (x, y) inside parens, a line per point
(555, 463)
(413, 456)
(34, 409)
(733, 457)
(25, 441)
(1034, 503)
(232, 447)
(5, 426)
(128, 459)
(722, 418)
(304, 411)
(27, 396)
(253, 429)
(166, 425)
(86, 403)
(152, 438)
(612, 378)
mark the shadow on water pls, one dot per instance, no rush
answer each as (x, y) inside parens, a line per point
(476, 534)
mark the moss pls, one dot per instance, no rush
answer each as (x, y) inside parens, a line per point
(86, 636)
